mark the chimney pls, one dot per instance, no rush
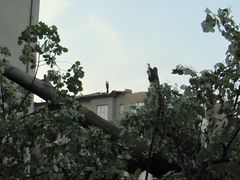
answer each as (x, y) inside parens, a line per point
(128, 91)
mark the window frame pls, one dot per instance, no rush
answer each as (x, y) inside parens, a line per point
(102, 111)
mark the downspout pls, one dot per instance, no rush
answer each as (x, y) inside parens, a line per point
(30, 23)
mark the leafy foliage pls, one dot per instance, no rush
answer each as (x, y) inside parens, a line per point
(40, 39)
(51, 143)
(196, 127)
(199, 128)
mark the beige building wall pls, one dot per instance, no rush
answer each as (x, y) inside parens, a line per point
(114, 101)
(16, 15)
(128, 100)
(99, 102)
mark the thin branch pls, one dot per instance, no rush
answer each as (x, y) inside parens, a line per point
(23, 100)
(3, 107)
(177, 146)
(2, 175)
(228, 146)
(159, 164)
(218, 161)
(27, 94)
(224, 158)
(33, 113)
(150, 152)
(154, 81)
(236, 99)
(37, 175)
(199, 146)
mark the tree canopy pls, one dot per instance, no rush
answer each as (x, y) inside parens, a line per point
(188, 133)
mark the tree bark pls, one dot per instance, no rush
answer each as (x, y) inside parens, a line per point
(158, 166)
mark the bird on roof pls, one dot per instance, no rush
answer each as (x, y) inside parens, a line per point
(47, 80)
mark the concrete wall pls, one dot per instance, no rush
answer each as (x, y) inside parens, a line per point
(102, 101)
(15, 16)
(114, 102)
(128, 100)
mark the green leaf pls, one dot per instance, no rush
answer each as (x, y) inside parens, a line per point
(55, 168)
(208, 11)
(218, 66)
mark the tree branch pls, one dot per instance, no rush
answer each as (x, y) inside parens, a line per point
(228, 146)
(3, 100)
(158, 166)
(37, 175)
(154, 81)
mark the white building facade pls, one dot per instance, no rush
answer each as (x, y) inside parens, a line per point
(16, 15)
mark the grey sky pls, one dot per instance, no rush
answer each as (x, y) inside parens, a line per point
(114, 40)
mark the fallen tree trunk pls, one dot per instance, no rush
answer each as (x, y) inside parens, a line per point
(158, 166)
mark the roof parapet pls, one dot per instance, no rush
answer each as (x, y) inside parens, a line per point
(128, 91)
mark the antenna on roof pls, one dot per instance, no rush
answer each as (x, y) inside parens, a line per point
(107, 87)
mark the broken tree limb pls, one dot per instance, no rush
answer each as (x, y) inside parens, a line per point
(158, 165)
(30, 83)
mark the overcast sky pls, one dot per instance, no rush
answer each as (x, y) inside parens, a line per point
(114, 40)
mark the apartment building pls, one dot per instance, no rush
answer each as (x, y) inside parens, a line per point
(109, 106)
(113, 105)
(16, 15)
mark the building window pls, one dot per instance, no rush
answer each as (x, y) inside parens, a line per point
(102, 111)
(139, 104)
(136, 106)
(143, 176)
(121, 109)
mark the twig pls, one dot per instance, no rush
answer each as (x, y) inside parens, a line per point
(37, 175)
(33, 113)
(27, 94)
(217, 161)
(154, 81)
(150, 152)
(227, 147)
(236, 99)
(3, 107)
